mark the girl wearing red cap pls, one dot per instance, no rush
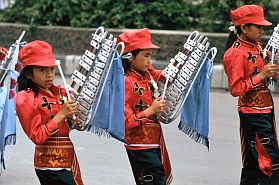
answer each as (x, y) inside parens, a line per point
(248, 77)
(42, 113)
(143, 134)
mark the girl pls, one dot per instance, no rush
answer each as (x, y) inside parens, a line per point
(143, 134)
(42, 113)
(248, 77)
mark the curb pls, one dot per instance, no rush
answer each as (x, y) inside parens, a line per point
(218, 81)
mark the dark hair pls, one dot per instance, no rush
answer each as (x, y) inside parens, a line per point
(125, 62)
(25, 83)
(232, 37)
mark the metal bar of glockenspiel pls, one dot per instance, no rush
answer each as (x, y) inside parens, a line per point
(93, 50)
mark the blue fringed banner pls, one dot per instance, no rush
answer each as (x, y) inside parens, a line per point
(109, 118)
(194, 118)
(7, 118)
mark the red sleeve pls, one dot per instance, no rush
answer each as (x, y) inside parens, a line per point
(132, 119)
(156, 74)
(31, 119)
(234, 65)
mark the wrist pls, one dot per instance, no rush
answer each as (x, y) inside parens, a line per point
(260, 76)
(62, 116)
(59, 118)
(148, 112)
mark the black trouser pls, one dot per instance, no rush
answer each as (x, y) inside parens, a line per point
(262, 124)
(147, 166)
(51, 177)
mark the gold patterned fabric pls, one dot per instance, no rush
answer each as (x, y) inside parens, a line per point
(148, 133)
(57, 153)
(258, 98)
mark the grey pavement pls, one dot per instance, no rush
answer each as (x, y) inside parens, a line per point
(103, 161)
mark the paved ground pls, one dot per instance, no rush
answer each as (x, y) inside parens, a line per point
(103, 161)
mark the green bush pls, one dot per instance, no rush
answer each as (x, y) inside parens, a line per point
(217, 18)
(210, 16)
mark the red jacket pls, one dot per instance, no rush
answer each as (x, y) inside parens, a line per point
(138, 96)
(242, 62)
(35, 114)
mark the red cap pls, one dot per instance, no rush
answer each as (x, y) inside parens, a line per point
(37, 53)
(249, 14)
(136, 39)
(3, 53)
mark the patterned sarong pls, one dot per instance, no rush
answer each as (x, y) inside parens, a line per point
(58, 153)
(258, 98)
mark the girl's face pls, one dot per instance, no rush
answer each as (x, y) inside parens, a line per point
(251, 33)
(43, 76)
(142, 60)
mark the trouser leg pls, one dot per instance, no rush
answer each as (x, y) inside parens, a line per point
(250, 169)
(50, 177)
(262, 125)
(147, 166)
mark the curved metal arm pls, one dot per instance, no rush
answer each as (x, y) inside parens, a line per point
(11, 55)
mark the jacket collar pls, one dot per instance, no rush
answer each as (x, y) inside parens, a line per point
(138, 75)
(248, 44)
(54, 89)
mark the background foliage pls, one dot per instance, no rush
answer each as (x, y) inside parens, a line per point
(204, 15)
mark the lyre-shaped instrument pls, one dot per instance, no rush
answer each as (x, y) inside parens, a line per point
(180, 74)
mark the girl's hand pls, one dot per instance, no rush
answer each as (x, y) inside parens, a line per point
(157, 106)
(268, 71)
(69, 108)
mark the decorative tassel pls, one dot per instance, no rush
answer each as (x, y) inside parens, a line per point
(10, 140)
(194, 134)
(102, 132)
(99, 131)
